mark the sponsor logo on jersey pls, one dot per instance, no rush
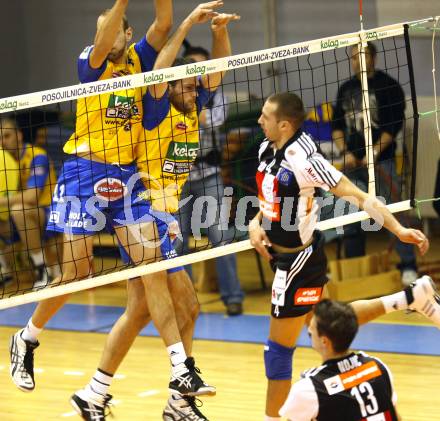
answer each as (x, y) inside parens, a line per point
(307, 296)
(110, 189)
(181, 125)
(182, 151)
(284, 176)
(352, 378)
(54, 217)
(121, 107)
(121, 73)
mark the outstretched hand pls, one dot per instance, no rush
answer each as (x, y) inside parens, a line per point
(204, 12)
(413, 236)
(222, 19)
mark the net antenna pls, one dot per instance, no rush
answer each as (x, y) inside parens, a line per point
(434, 30)
(366, 116)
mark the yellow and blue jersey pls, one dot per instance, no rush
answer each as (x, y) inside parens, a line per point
(109, 125)
(168, 147)
(9, 178)
(37, 172)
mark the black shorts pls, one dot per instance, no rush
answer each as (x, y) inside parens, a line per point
(299, 279)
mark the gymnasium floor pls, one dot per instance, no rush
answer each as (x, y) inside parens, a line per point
(229, 351)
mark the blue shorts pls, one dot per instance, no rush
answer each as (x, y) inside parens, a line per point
(92, 196)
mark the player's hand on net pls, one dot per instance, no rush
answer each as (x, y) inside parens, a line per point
(259, 239)
(413, 236)
(204, 12)
(222, 19)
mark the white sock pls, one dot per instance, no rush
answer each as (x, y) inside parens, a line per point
(54, 271)
(31, 332)
(395, 302)
(99, 384)
(177, 356)
(37, 258)
(267, 418)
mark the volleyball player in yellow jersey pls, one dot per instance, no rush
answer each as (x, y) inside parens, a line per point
(29, 204)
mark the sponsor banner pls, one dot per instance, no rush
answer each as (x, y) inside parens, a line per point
(197, 69)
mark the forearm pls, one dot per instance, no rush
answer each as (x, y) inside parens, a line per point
(171, 49)
(164, 15)
(109, 28)
(157, 34)
(221, 47)
(385, 140)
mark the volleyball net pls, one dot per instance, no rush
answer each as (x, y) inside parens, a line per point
(331, 75)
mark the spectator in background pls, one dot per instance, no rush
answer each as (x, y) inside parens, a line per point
(29, 205)
(387, 109)
(205, 181)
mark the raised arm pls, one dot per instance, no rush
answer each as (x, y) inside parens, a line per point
(379, 212)
(221, 47)
(202, 13)
(107, 33)
(157, 33)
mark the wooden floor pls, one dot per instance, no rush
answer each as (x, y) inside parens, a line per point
(66, 360)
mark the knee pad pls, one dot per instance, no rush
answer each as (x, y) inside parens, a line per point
(278, 361)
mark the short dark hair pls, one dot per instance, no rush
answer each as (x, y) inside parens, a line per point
(289, 106)
(337, 321)
(181, 61)
(9, 120)
(125, 23)
(189, 50)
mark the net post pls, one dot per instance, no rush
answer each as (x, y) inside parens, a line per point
(366, 116)
(415, 114)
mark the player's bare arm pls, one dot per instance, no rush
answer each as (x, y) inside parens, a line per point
(258, 237)
(157, 33)
(221, 46)
(201, 14)
(107, 32)
(375, 208)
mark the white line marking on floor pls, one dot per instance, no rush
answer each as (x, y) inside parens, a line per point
(148, 393)
(38, 370)
(120, 376)
(2, 367)
(69, 414)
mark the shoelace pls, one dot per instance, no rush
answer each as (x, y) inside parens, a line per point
(98, 414)
(195, 404)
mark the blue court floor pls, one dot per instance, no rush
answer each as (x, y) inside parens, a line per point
(380, 337)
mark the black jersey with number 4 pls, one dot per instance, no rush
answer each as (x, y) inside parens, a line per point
(287, 179)
(357, 387)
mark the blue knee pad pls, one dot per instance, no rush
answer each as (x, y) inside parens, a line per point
(278, 361)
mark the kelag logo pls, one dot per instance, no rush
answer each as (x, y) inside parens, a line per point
(8, 105)
(117, 101)
(182, 151)
(371, 35)
(194, 69)
(153, 78)
(330, 43)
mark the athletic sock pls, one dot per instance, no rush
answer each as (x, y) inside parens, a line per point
(395, 302)
(177, 356)
(37, 258)
(30, 332)
(98, 386)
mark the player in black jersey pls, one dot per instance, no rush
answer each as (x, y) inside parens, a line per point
(348, 386)
(290, 170)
